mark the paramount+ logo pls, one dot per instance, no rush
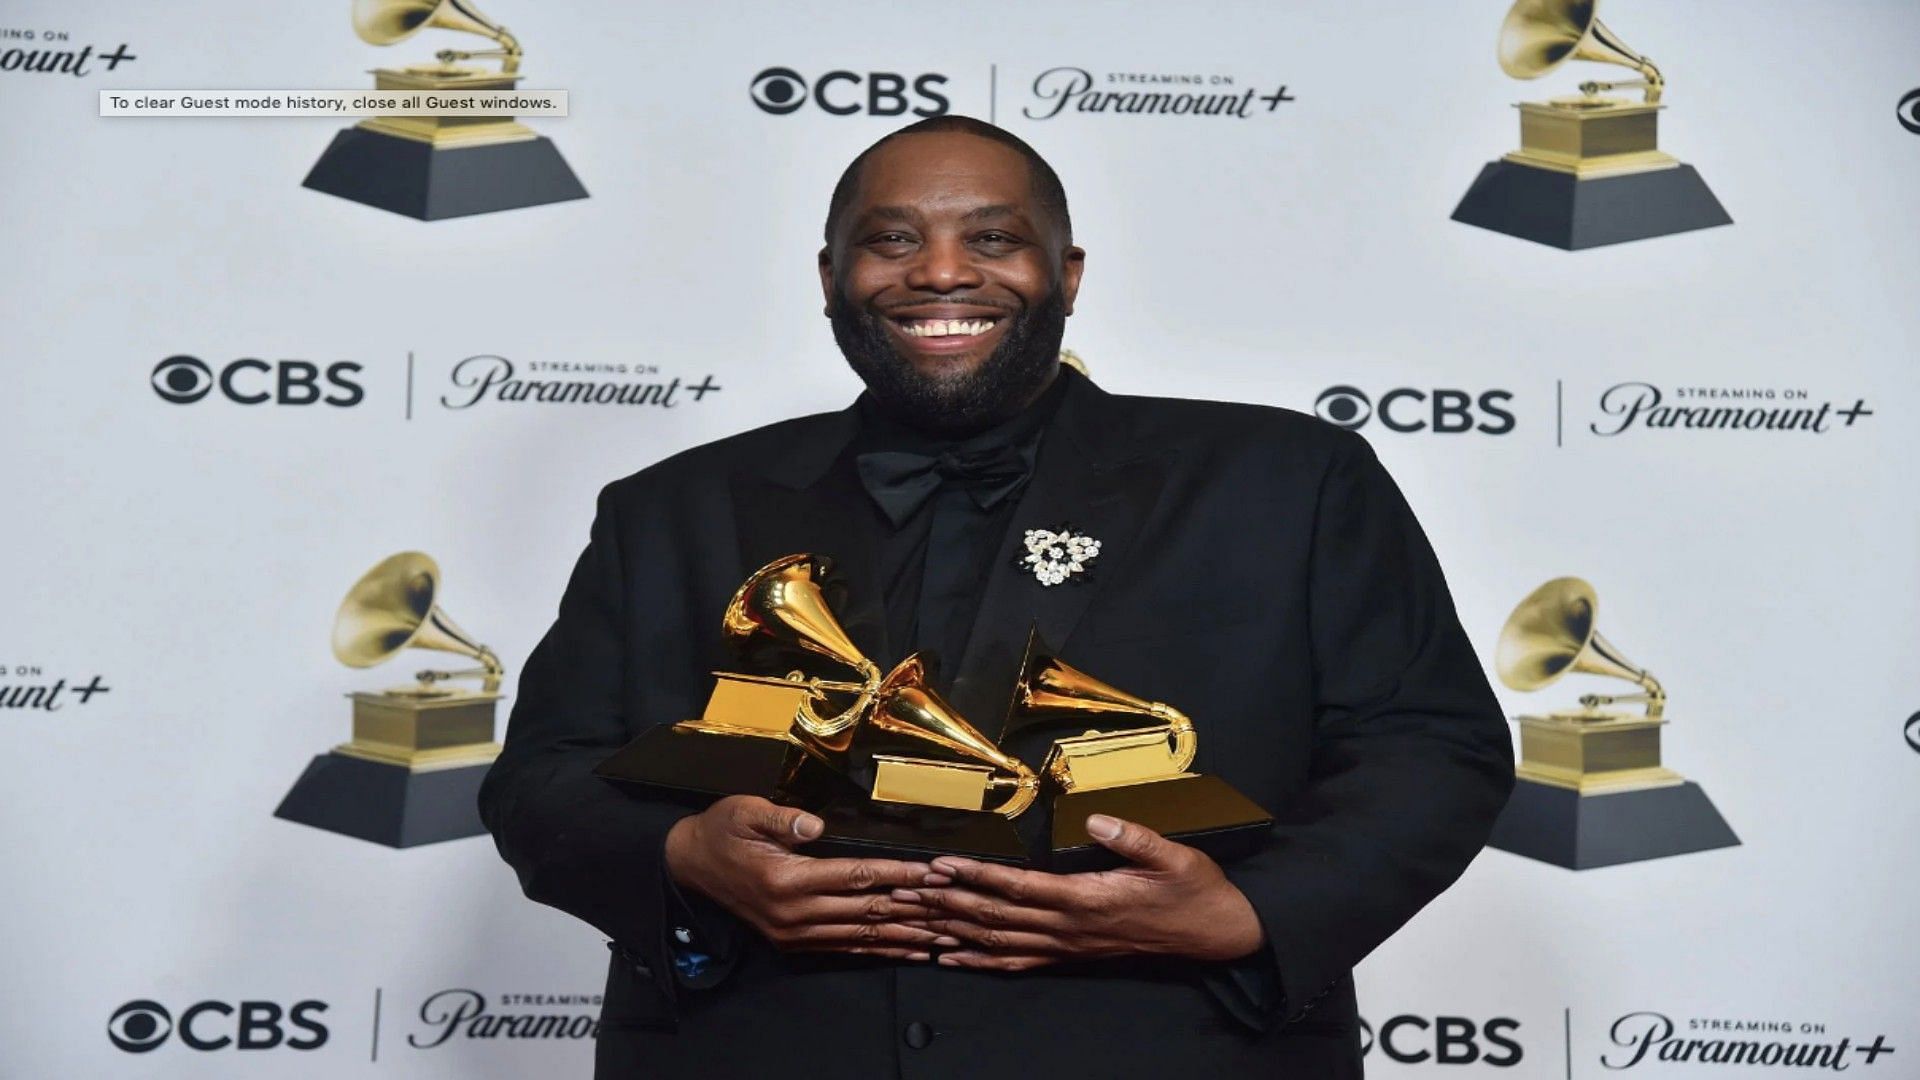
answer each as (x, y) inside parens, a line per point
(139, 1027)
(782, 90)
(1408, 410)
(183, 380)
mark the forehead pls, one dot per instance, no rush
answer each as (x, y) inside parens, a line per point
(943, 172)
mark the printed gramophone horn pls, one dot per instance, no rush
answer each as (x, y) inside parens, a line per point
(394, 607)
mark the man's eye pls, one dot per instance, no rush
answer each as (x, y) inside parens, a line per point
(997, 238)
(890, 238)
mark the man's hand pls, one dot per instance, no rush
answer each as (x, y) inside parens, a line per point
(1172, 900)
(739, 854)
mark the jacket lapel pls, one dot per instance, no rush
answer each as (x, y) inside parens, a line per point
(796, 503)
(1087, 478)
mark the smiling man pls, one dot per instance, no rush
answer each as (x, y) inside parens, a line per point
(1257, 567)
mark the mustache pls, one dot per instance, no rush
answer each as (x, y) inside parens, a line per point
(945, 300)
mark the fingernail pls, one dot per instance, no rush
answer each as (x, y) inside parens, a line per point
(946, 942)
(920, 956)
(1102, 827)
(808, 827)
(938, 879)
(944, 865)
(907, 896)
(948, 961)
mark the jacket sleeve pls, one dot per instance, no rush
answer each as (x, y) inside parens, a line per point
(1411, 757)
(576, 842)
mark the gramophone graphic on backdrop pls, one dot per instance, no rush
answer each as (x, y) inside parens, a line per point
(1591, 789)
(433, 167)
(411, 773)
(894, 771)
(1589, 171)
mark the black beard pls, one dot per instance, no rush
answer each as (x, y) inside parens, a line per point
(1013, 374)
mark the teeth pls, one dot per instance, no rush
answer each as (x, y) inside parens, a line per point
(947, 327)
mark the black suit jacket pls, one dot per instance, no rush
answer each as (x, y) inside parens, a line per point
(1259, 570)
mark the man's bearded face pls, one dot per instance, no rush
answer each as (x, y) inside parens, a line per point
(945, 283)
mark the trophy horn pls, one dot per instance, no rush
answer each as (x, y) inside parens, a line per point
(1554, 631)
(394, 607)
(785, 603)
(911, 710)
(1049, 688)
(1538, 36)
(385, 22)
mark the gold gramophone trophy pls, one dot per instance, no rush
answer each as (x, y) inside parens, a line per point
(1589, 170)
(884, 760)
(411, 772)
(1138, 773)
(1591, 789)
(432, 167)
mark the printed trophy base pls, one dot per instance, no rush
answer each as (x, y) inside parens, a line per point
(700, 766)
(1562, 210)
(860, 828)
(418, 180)
(1558, 825)
(386, 803)
(1204, 812)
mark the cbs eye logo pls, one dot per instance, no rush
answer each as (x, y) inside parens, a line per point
(184, 380)
(1908, 111)
(139, 1026)
(1443, 412)
(782, 90)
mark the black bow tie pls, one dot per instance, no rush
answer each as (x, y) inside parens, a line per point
(902, 481)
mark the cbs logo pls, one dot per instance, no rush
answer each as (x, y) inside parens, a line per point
(780, 91)
(184, 380)
(1446, 1040)
(1444, 412)
(140, 1026)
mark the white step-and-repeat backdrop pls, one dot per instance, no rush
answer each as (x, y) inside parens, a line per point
(224, 396)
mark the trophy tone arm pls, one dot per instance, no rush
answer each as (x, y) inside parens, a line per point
(1650, 79)
(489, 673)
(1652, 693)
(508, 52)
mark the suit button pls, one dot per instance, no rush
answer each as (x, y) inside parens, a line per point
(918, 1035)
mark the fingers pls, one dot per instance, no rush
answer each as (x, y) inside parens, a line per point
(1137, 843)
(972, 937)
(760, 819)
(829, 937)
(1029, 887)
(981, 961)
(814, 876)
(915, 955)
(984, 909)
(870, 908)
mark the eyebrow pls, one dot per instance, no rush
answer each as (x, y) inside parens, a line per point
(911, 216)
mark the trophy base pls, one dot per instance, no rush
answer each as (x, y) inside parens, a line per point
(1204, 812)
(385, 803)
(1560, 209)
(1558, 825)
(413, 178)
(700, 766)
(861, 829)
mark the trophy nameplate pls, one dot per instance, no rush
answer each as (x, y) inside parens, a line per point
(1590, 789)
(1589, 170)
(411, 772)
(434, 167)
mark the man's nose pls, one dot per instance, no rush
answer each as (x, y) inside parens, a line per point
(944, 265)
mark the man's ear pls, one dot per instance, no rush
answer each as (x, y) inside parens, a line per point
(1073, 262)
(826, 279)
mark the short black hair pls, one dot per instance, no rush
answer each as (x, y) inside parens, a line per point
(1046, 183)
